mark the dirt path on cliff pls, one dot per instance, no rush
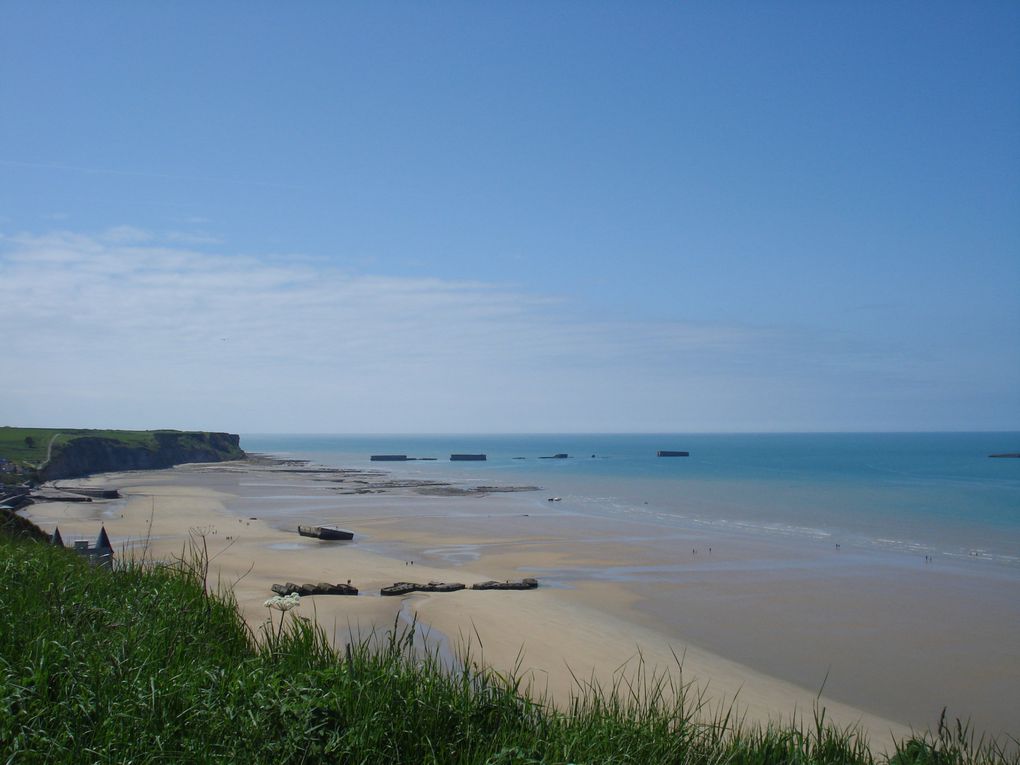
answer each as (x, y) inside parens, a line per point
(49, 452)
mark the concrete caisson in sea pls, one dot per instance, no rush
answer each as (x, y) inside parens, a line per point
(467, 458)
(670, 453)
(325, 532)
(322, 588)
(528, 583)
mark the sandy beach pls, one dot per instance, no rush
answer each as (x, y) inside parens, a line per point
(727, 613)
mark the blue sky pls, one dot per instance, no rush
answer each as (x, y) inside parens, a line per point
(511, 217)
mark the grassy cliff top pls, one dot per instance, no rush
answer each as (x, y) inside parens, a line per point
(31, 447)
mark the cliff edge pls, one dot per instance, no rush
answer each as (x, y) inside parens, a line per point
(87, 453)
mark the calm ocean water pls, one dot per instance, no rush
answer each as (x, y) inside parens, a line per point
(922, 493)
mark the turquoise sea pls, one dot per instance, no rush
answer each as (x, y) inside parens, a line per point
(919, 493)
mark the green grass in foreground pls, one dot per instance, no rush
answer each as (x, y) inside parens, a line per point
(142, 665)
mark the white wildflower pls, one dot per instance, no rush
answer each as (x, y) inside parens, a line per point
(284, 602)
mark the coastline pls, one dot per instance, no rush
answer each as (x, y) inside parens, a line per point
(581, 625)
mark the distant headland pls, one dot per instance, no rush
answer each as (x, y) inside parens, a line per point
(46, 454)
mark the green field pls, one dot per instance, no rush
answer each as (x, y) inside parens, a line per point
(28, 446)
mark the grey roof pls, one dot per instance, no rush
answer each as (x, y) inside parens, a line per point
(103, 540)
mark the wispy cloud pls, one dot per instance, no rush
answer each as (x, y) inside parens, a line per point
(191, 238)
(127, 325)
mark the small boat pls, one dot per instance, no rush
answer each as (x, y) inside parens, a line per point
(325, 532)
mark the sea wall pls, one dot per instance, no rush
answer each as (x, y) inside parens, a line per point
(90, 454)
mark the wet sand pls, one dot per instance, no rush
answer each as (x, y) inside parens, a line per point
(893, 640)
